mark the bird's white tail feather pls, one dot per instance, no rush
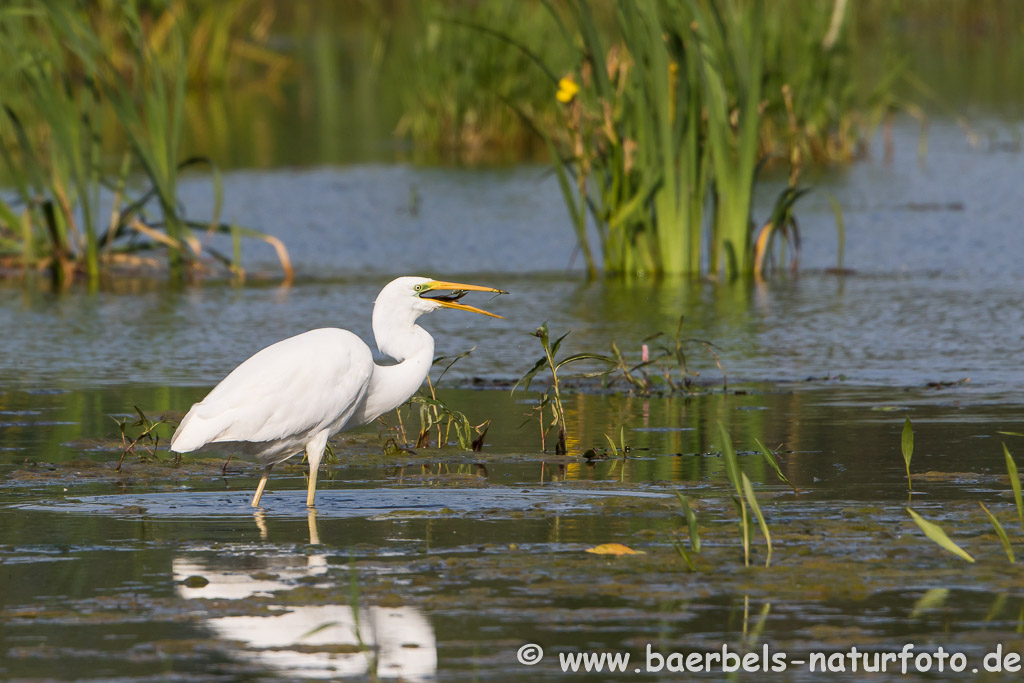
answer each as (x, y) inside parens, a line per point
(191, 434)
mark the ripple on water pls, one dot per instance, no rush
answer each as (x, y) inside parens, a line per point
(333, 504)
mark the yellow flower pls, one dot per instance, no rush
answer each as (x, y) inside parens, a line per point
(567, 90)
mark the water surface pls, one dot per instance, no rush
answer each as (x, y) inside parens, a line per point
(439, 564)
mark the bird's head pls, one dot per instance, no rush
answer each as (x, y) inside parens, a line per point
(422, 295)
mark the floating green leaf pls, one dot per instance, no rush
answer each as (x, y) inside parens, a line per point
(935, 533)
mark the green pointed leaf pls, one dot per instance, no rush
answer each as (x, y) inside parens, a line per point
(557, 343)
(732, 470)
(772, 462)
(691, 521)
(907, 446)
(748, 493)
(907, 443)
(936, 534)
(527, 378)
(1003, 538)
(586, 356)
(1011, 468)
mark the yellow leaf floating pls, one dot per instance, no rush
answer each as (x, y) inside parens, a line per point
(567, 90)
(614, 549)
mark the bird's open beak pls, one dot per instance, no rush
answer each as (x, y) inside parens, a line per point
(457, 291)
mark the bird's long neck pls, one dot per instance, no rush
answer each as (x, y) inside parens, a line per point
(393, 385)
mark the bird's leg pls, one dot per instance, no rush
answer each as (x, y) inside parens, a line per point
(262, 485)
(314, 453)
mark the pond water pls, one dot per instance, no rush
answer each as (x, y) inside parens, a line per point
(443, 563)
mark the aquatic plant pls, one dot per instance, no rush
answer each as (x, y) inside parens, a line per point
(669, 108)
(907, 448)
(1000, 531)
(552, 396)
(458, 76)
(65, 91)
(690, 517)
(938, 535)
(670, 349)
(769, 457)
(742, 497)
(1011, 470)
(615, 449)
(436, 416)
(147, 435)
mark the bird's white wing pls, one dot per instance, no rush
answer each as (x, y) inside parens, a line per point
(290, 389)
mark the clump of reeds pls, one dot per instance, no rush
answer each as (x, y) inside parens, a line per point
(77, 77)
(669, 109)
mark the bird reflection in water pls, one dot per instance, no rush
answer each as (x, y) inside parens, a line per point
(307, 641)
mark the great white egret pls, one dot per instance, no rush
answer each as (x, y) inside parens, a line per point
(297, 393)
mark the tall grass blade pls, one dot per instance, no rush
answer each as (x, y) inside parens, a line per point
(748, 492)
(1003, 538)
(691, 521)
(732, 472)
(732, 469)
(683, 553)
(1011, 469)
(936, 534)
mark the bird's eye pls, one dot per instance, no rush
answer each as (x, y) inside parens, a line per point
(418, 288)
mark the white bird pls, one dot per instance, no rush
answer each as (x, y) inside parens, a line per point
(297, 393)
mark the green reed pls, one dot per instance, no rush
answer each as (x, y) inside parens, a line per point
(1000, 532)
(742, 498)
(1011, 470)
(660, 126)
(79, 77)
(666, 110)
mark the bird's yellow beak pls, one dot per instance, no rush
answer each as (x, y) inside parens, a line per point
(458, 291)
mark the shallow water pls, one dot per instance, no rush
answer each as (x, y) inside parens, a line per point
(444, 563)
(936, 297)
